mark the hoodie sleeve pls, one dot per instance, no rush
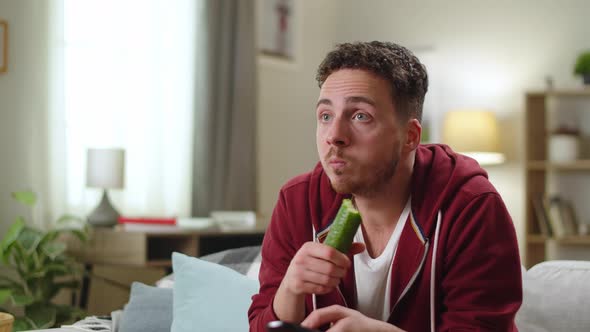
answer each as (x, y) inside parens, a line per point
(481, 277)
(278, 248)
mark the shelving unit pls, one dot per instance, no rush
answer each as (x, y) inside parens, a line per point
(538, 169)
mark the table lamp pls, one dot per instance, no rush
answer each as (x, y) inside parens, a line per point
(473, 133)
(106, 170)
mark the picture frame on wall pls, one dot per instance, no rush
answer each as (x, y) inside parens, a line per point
(3, 46)
(276, 29)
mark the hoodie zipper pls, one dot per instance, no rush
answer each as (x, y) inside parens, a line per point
(413, 279)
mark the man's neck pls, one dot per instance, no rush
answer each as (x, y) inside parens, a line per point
(381, 210)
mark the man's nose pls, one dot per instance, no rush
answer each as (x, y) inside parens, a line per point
(338, 134)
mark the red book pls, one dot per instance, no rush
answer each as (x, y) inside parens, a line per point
(147, 220)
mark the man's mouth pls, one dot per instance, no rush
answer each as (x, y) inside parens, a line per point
(337, 163)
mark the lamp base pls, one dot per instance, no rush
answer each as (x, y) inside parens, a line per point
(104, 215)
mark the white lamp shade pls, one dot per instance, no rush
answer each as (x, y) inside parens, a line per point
(105, 168)
(473, 133)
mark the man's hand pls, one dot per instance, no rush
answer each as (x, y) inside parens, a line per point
(315, 269)
(345, 320)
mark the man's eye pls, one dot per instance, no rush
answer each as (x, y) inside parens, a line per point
(361, 117)
(325, 117)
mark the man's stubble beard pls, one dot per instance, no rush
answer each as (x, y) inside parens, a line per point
(371, 181)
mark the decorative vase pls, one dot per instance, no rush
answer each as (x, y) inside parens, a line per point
(563, 147)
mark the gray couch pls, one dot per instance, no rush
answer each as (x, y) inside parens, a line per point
(556, 295)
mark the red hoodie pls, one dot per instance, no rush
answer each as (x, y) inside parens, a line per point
(477, 278)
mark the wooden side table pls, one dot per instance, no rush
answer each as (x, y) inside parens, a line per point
(116, 247)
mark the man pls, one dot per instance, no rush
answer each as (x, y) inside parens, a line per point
(436, 249)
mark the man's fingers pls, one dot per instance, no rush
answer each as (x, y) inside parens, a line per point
(307, 287)
(327, 253)
(326, 315)
(320, 279)
(326, 268)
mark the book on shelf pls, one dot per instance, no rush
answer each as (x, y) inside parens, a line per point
(561, 216)
(139, 227)
(542, 216)
(554, 216)
(164, 224)
(171, 221)
(568, 217)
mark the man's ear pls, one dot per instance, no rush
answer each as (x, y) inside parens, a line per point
(413, 135)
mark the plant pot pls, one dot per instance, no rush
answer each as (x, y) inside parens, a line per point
(6, 321)
(586, 78)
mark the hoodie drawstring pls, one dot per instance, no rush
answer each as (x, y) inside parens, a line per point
(313, 296)
(433, 273)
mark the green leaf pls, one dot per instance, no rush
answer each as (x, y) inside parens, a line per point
(27, 198)
(20, 259)
(42, 315)
(57, 269)
(9, 283)
(74, 225)
(54, 249)
(29, 239)
(70, 220)
(22, 324)
(12, 234)
(50, 236)
(20, 299)
(4, 294)
(81, 235)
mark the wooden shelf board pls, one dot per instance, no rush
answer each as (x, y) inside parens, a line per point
(541, 165)
(159, 263)
(579, 239)
(540, 239)
(581, 92)
(571, 240)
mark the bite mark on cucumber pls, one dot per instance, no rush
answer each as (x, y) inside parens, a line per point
(344, 227)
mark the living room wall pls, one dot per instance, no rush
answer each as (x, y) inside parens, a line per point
(486, 54)
(489, 53)
(23, 97)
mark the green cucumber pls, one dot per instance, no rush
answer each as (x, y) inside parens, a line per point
(344, 227)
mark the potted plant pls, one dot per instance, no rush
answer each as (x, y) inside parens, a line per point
(42, 268)
(583, 67)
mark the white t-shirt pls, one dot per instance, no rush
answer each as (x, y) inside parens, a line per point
(373, 275)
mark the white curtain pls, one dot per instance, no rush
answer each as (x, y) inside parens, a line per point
(124, 76)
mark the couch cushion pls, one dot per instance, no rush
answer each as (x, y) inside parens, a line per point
(209, 297)
(149, 309)
(556, 297)
(245, 260)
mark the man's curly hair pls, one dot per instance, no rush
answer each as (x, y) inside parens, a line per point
(392, 62)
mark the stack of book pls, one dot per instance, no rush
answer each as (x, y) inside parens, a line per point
(555, 216)
(163, 225)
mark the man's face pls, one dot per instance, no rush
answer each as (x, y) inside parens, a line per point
(358, 137)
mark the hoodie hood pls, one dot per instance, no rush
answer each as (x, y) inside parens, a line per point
(438, 174)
